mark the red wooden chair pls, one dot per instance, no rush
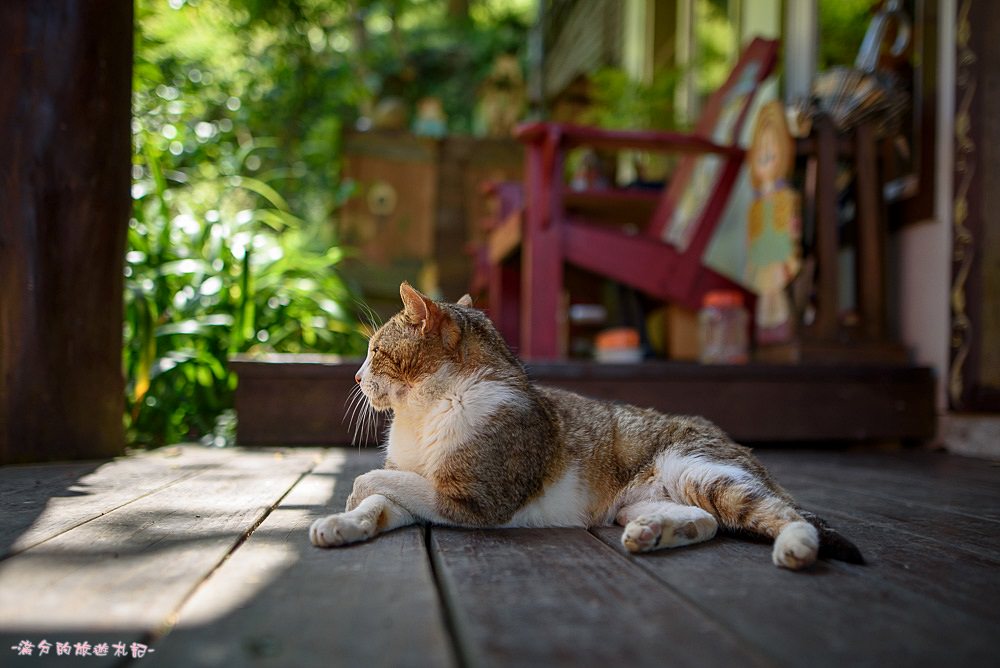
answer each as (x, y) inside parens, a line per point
(664, 260)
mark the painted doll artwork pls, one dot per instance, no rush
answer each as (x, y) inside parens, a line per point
(774, 226)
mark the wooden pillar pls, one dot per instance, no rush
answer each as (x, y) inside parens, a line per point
(64, 208)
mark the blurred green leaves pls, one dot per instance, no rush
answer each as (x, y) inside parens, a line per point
(231, 247)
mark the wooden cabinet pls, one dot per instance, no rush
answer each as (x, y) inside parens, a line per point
(417, 207)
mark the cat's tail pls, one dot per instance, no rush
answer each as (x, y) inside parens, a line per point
(832, 545)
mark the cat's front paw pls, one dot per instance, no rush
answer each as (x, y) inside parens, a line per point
(796, 546)
(366, 485)
(342, 529)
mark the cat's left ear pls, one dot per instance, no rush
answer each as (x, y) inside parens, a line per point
(466, 300)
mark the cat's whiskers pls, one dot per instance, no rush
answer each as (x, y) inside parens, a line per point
(370, 418)
(362, 418)
(364, 422)
(355, 401)
(370, 422)
(370, 318)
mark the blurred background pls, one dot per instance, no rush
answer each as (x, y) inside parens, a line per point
(237, 243)
(289, 162)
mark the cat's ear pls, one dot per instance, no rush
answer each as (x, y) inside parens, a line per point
(466, 300)
(420, 310)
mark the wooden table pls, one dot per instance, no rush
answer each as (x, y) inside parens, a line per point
(202, 555)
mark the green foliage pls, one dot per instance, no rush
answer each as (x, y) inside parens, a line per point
(842, 26)
(209, 283)
(620, 102)
(717, 40)
(414, 49)
(230, 248)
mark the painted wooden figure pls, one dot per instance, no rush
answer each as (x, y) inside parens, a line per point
(774, 252)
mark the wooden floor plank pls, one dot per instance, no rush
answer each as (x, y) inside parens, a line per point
(26, 492)
(548, 597)
(832, 615)
(129, 569)
(936, 490)
(43, 501)
(116, 553)
(898, 462)
(279, 601)
(939, 569)
(948, 525)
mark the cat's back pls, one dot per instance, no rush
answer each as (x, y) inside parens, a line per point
(591, 428)
(627, 434)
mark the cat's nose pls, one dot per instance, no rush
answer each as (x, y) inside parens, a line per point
(357, 378)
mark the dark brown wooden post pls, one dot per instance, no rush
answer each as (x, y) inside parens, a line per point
(828, 314)
(64, 208)
(871, 235)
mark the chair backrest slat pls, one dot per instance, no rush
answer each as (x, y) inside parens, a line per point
(690, 201)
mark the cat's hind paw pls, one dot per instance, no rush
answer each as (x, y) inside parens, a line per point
(651, 532)
(796, 546)
(642, 534)
(342, 529)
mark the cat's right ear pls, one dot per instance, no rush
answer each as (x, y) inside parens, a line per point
(466, 300)
(420, 311)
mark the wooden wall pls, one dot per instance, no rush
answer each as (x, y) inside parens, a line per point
(66, 68)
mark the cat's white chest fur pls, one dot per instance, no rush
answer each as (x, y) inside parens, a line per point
(435, 421)
(562, 504)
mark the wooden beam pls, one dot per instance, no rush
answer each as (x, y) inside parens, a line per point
(64, 194)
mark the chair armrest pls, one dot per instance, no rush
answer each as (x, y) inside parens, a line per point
(568, 136)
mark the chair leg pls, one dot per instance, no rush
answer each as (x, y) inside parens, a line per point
(541, 267)
(505, 301)
(541, 290)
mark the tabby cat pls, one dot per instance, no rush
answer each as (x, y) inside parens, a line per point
(474, 443)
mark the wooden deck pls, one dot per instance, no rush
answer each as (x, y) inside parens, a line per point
(203, 556)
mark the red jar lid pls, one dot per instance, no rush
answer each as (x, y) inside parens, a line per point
(723, 298)
(617, 338)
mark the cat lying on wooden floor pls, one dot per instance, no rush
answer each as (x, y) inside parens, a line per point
(474, 443)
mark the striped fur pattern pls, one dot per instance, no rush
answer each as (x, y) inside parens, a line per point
(473, 443)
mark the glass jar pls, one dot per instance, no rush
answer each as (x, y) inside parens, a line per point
(723, 328)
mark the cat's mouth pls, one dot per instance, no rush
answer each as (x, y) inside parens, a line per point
(380, 404)
(377, 399)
